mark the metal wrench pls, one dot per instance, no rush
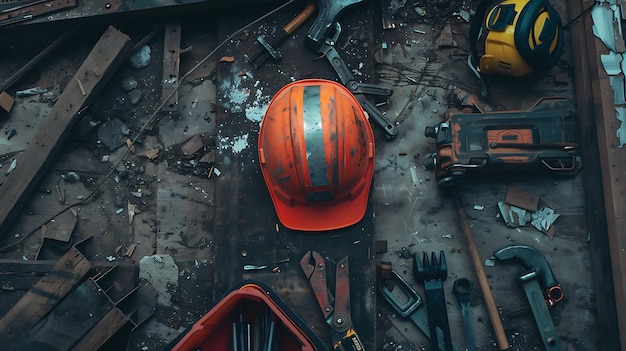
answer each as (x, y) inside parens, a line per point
(411, 308)
(462, 289)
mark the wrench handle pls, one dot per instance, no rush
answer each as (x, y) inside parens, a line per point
(492, 309)
(468, 328)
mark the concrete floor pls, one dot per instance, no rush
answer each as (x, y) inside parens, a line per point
(406, 208)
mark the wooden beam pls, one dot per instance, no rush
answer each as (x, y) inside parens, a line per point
(171, 66)
(66, 274)
(95, 71)
(100, 333)
(595, 106)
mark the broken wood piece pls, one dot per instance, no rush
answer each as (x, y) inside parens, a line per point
(61, 227)
(193, 145)
(208, 157)
(107, 54)
(132, 210)
(66, 274)
(171, 66)
(227, 59)
(523, 199)
(445, 41)
(6, 102)
(130, 250)
(150, 154)
(102, 331)
(130, 145)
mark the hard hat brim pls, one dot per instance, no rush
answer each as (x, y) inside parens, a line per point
(325, 217)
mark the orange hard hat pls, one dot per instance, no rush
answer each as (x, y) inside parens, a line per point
(316, 150)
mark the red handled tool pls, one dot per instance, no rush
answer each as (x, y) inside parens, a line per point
(336, 309)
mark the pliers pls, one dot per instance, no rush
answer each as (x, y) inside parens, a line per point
(336, 310)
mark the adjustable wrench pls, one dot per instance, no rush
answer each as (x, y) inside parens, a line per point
(358, 89)
(462, 289)
(539, 271)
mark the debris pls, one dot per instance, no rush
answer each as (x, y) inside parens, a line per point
(61, 227)
(150, 154)
(31, 92)
(380, 246)
(162, 272)
(70, 177)
(479, 207)
(520, 208)
(12, 166)
(130, 251)
(193, 145)
(134, 96)
(80, 86)
(6, 101)
(132, 210)
(129, 83)
(110, 258)
(227, 59)
(130, 145)
(419, 31)
(251, 267)
(523, 199)
(445, 40)
(215, 171)
(490, 262)
(11, 133)
(464, 14)
(119, 210)
(112, 133)
(141, 59)
(544, 218)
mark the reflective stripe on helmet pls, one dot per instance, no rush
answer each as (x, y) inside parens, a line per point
(314, 136)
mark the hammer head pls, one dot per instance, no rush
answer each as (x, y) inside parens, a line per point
(534, 260)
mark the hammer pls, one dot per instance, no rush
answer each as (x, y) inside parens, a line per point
(268, 47)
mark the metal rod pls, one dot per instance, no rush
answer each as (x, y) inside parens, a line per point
(235, 336)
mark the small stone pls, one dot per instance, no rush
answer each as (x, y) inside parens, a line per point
(141, 58)
(134, 96)
(71, 177)
(129, 83)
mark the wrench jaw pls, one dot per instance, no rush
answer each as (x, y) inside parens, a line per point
(432, 274)
(532, 259)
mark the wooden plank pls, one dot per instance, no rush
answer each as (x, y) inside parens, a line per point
(171, 66)
(602, 228)
(113, 321)
(93, 74)
(67, 273)
(69, 321)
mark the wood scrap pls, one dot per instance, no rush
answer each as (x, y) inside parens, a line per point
(193, 145)
(150, 154)
(98, 67)
(445, 41)
(66, 274)
(60, 227)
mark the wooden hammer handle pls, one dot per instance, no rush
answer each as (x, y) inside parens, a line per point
(299, 19)
(494, 315)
